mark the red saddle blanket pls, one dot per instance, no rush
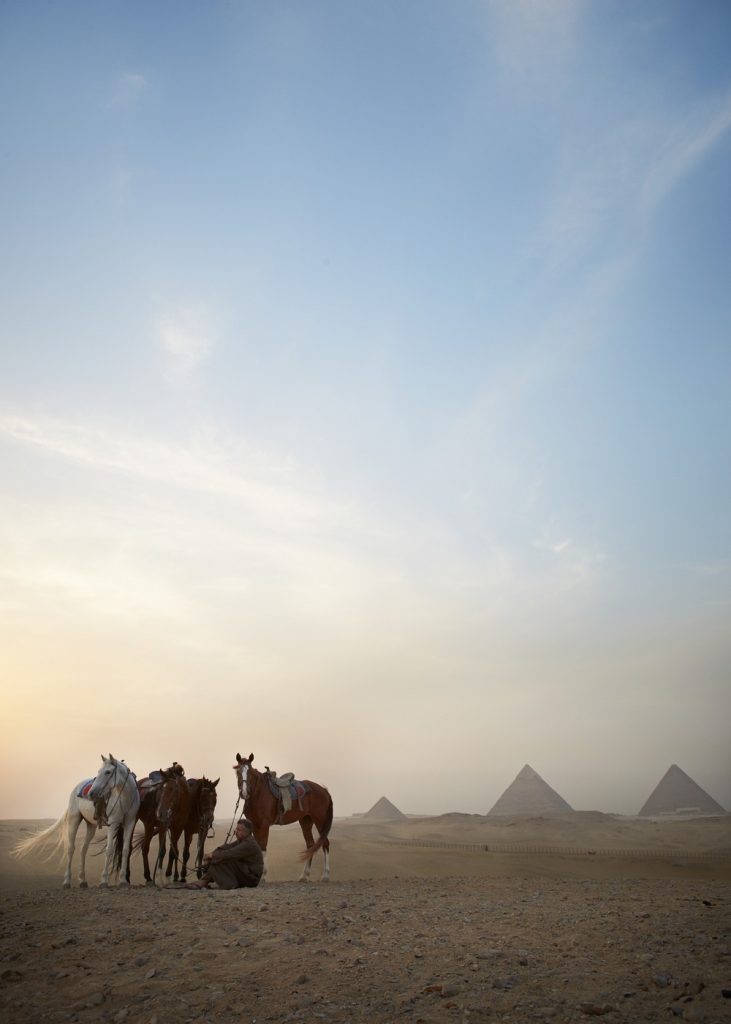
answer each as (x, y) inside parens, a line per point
(84, 787)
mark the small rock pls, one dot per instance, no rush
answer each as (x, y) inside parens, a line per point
(662, 980)
(151, 973)
(121, 1015)
(449, 989)
(503, 984)
(301, 980)
(95, 999)
(596, 1009)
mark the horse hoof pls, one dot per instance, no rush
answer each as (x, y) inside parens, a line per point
(124, 884)
(324, 879)
(104, 885)
(67, 885)
(150, 882)
(83, 885)
(303, 879)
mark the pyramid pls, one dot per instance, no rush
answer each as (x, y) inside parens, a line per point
(529, 794)
(384, 809)
(676, 792)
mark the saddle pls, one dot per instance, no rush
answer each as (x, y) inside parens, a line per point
(286, 789)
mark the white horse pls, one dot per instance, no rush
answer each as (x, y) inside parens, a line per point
(116, 787)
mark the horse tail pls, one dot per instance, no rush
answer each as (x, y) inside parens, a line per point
(55, 837)
(324, 832)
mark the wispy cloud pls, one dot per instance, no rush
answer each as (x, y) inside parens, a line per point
(265, 487)
(531, 43)
(185, 340)
(612, 176)
(128, 90)
(683, 145)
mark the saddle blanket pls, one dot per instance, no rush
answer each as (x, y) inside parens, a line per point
(84, 787)
(296, 790)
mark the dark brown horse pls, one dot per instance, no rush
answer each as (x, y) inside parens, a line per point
(200, 821)
(261, 807)
(163, 808)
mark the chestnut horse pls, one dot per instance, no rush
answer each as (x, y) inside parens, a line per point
(199, 822)
(261, 807)
(163, 808)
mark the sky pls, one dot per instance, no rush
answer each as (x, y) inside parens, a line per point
(364, 396)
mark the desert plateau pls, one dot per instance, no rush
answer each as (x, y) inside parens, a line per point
(450, 918)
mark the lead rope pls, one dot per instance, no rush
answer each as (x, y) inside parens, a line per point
(234, 819)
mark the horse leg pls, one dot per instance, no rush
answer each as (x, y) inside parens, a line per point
(90, 830)
(146, 855)
(72, 824)
(186, 854)
(306, 826)
(128, 827)
(326, 854)
(261, 835)
(173, 857)
(202, 836)
(161, 854)
(111, 839)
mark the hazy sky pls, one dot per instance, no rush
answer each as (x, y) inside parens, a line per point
(364, 396)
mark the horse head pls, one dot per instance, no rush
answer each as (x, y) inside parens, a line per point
(168, 794)
(105, 778)
(207, 797)
(242, 766)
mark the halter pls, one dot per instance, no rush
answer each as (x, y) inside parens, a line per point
(103, 795)
(207, 823)
(237, 769)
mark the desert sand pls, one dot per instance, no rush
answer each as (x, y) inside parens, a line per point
(454, 918)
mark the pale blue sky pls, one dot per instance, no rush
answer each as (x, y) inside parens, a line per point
(364, 392)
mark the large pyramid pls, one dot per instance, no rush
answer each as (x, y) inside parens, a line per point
(676, 792)
(385, 810)
(529, 794)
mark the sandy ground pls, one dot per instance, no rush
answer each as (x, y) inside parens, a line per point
(405, 931)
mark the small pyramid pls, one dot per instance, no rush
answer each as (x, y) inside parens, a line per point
(529, 794)
(677, 792)
(385, 810)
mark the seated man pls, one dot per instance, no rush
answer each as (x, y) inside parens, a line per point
(235, 865)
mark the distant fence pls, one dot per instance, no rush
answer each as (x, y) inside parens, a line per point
(561, 851)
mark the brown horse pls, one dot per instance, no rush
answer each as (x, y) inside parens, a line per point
(261, 807)
(163, 808)
(199, 822)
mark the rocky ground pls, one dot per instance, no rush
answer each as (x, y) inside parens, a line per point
(424, 921)
(417, 950)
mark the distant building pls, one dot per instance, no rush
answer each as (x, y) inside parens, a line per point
(677, 793)
(529, 794)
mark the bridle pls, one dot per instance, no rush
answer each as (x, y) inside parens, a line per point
(111, 781)
(242, 796)
(205, 823)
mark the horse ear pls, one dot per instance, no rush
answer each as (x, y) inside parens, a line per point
(102, 757)
(239, 758)
(217, 781)
(251, 758)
